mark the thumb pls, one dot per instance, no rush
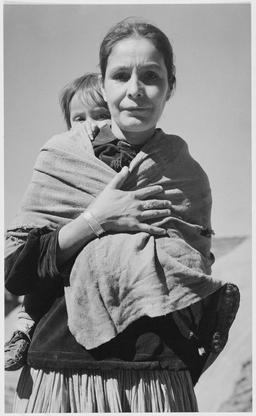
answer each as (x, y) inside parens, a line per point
(119, 178)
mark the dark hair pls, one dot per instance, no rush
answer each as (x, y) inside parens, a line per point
(134, 27)
(89, 85)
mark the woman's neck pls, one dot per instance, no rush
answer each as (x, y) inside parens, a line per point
(134, 138)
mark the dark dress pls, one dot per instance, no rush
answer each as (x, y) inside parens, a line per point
(175, 344)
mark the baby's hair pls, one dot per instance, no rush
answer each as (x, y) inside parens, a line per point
(89, 87)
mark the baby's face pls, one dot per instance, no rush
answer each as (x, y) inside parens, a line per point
(80, 111)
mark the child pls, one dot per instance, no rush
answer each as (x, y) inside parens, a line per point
(81, 101)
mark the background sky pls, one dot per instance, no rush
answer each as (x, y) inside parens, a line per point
(46, 46)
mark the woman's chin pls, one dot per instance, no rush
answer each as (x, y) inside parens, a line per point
(136, 124)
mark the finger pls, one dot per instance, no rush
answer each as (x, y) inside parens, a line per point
(144, 193)
(163, 223)
(174, 195)
(155, 204)
(119, 178)
(151, 214)
(152, 229)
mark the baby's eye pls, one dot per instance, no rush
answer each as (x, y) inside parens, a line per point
(149, 77)
(79, 119)
(100, 113)
(100, 117)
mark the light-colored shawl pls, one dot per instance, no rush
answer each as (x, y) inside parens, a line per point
(119, 278)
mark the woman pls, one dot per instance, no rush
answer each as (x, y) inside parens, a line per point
(151, 364)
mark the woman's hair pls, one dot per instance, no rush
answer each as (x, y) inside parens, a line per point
(89, 86)
(134, 27)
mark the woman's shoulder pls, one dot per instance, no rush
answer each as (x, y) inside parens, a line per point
(73, 141)
(173, 139)
(179, 149)
(172, 144)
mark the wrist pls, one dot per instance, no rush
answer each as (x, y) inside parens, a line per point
(93, 223)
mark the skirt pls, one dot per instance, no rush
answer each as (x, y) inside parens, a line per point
(124, 390)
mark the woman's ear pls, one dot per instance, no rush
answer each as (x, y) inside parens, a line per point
(168, 94)
(103, 89)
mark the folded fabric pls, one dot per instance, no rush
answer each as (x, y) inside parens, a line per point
(120, 277)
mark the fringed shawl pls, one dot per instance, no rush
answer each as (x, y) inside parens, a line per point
(120, 277)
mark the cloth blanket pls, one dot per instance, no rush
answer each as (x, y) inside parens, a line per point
(121, 277)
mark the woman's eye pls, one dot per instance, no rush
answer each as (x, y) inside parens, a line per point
(150, 77)
(121, 76)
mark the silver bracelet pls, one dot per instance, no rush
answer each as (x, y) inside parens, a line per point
(93, 223)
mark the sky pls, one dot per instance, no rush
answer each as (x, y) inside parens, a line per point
(46, 46)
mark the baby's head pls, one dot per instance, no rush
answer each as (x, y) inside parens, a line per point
(82, 100)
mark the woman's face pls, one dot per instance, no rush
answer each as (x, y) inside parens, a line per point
(136, 85)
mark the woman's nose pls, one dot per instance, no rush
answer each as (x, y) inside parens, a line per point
(134, 89)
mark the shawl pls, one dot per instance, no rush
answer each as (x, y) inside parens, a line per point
(119, 278)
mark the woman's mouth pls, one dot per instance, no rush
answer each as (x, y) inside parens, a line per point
(136, 109)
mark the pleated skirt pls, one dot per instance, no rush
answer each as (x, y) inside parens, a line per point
(124, 390)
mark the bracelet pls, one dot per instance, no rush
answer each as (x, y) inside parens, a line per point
(93, 223)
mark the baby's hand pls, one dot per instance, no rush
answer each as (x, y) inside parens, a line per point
(93, 127)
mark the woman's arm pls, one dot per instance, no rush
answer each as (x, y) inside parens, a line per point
(47, 254)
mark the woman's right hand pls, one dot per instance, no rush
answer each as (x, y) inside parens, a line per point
(129, 211)
(116, 211)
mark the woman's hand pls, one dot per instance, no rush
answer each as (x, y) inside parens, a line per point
(116, 211)
(129, 211)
